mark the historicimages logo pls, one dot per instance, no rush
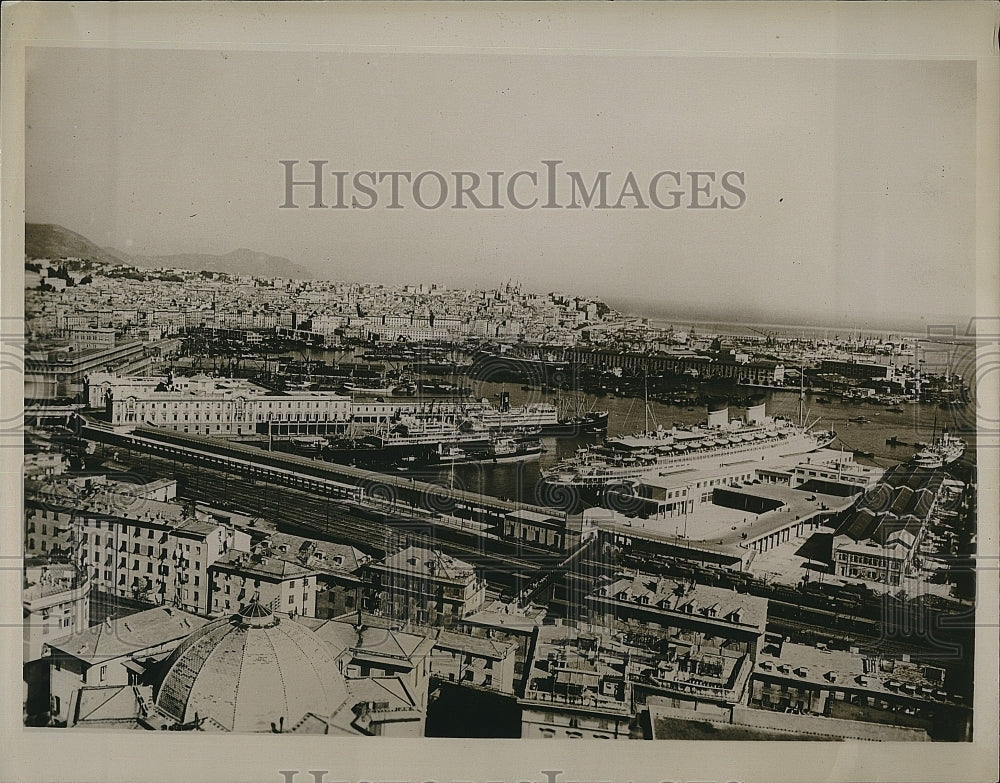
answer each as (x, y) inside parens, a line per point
(547, 776)
(548, 186)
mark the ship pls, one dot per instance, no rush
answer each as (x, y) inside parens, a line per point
(354, 389)
(717, 442)
(539, 415)
(576, 420)
(501, 448)
(408, 442)
(504, 417)
(443, 389)
(594, 421)
(941, 452)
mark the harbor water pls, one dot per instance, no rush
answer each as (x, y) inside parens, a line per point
(521, 481)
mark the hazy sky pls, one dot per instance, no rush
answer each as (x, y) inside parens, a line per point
(859, 174)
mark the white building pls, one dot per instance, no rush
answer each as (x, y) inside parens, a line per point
(215, 406)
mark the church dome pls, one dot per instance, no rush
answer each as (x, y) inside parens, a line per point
(249, 671)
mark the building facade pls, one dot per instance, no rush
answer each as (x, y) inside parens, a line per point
(423, 585)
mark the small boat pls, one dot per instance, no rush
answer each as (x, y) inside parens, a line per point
(860, 420)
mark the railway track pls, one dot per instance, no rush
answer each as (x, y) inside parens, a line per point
(374, 531)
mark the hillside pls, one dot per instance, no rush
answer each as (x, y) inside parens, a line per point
(48, 240)
(238, 262)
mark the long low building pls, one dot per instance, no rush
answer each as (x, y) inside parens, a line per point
(215, 406)
(879, 538)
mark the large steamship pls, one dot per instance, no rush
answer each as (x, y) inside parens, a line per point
(717, 442)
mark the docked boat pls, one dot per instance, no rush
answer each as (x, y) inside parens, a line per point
(594, 421)
(576, 419)
(501, 448)
(355, 389)
(408, 442)
(505, 418)
(443, 389)
(714, 443)
(941, 452)
(504, 449)
(405, 389)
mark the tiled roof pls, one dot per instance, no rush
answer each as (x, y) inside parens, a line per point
(484, 648)
(321, 555)
(681, 596)
(270, 565)
(128, 635)
(902, 500)
(415, 560)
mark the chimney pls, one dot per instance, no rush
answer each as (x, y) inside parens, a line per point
(756, 410)
(718, 412)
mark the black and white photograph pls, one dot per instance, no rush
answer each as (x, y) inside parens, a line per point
(430, 380)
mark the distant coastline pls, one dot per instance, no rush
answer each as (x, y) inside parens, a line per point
(910, 328)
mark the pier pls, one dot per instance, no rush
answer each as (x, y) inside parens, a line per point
(342, 481)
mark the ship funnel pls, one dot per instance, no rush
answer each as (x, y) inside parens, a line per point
(718, 412)
(755, 410)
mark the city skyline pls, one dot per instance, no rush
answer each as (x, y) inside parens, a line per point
(850, 223)
(627, 373)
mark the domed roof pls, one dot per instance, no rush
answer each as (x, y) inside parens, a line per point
(248, 671)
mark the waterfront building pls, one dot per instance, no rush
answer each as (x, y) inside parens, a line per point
(880, 536)
(824, 470)
(857, 371)
(679, 493)
(215, 406)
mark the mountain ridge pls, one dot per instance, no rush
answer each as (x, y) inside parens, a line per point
(51, 240)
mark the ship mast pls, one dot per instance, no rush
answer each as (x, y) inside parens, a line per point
(802, 392)
(645, 396)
